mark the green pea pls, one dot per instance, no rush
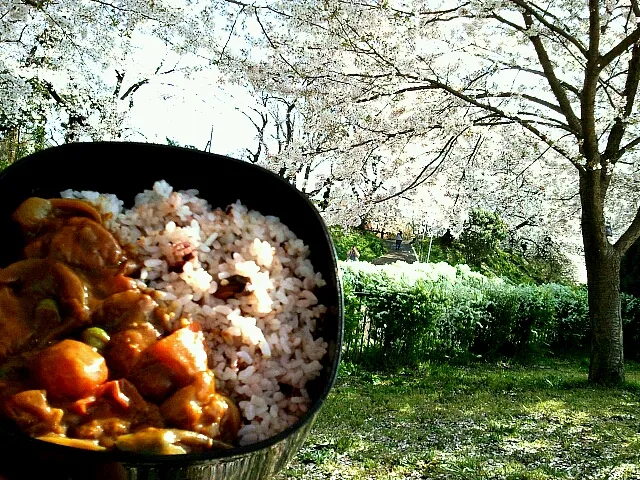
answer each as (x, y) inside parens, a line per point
(95, 337)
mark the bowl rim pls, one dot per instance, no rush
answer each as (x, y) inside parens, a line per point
(211, 455)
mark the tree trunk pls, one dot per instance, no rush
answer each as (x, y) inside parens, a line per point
(603, 279)
(607, 358)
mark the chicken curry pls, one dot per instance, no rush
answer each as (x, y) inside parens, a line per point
(86, 359)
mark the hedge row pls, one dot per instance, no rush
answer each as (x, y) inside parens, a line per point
(403, 314)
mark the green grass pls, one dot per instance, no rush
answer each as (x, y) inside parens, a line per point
(480, 422)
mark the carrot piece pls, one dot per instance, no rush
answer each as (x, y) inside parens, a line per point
(183, 352)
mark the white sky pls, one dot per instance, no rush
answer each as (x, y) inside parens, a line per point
(185, 109)
(188, 119)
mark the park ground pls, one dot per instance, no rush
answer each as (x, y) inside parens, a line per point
(485, 421)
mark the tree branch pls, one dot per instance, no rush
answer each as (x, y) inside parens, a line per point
(629, 237)
(395, 92)
(444, 153)
(590, 147)
(526, 6)
(526, 96)
(231, 30)
(504, 21)
(130, 10)
(49, 88)
(612, 151)
(489, 108)
(133, 88)
(554, 83)
(632, 144)
(273, 45)
(119, 79)
(620, 48)
(565, 85)
(35, 4)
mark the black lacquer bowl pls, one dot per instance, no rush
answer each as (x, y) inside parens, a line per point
(126, 169)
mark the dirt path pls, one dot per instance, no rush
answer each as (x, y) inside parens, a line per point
(405, 254)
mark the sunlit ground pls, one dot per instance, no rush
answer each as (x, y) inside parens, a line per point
(480, 422)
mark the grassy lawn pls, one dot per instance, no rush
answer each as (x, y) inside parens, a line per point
(479, 422)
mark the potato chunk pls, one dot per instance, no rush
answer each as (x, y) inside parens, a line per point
(70, 369)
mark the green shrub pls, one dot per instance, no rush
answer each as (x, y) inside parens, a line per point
(572, 317)
(479, 246)
(549, 265)
(494, 332)
(402, 315)
(440, 251)
(499, 263)
(536, 322)
(462, 312)
(352, 314)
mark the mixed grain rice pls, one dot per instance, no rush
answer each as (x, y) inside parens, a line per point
(262, 346)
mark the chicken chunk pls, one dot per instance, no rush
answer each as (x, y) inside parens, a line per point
(198, 407)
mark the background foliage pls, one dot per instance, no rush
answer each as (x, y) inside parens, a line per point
(487, 246)
(369, 245)
(630, 270)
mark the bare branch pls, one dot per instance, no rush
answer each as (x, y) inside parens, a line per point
(565, 85)
(589, 146)
(526, 96)
(273, 45)
(471, 100)
(236, 2)
(504, 21)
(533, 162)
(17, 40)
(632, 144)
(606, 86)
(134, 88)
(233, 27)
(395, 92)
(119, 79)
(49, 88)
(550, 122)
(35, 4)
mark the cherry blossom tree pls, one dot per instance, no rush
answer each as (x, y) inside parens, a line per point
(561, 77)
(76, 65)
(318, 146)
